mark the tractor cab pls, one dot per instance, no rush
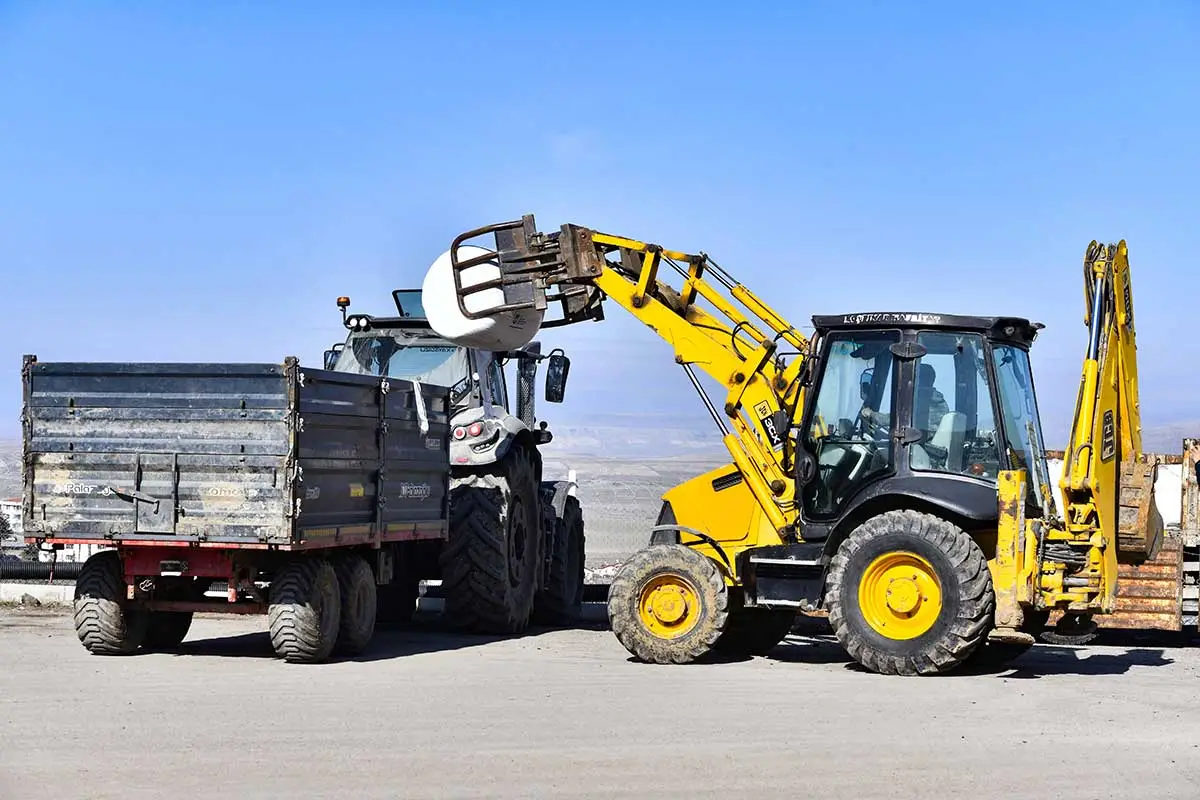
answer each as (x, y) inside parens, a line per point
(405, 346)
(928, 406)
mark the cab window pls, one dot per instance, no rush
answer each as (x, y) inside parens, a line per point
(952, 407)
(849, 432)
(497, 384)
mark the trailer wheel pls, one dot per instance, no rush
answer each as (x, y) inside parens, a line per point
(165, 630)
(356, 582)
(561, 601)
(490, 563)
(102, 625)
(305, 611)
(909, 594)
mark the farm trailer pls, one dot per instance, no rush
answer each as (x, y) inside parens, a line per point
(314, 495)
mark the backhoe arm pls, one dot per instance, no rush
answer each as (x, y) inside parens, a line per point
(738, 347)
(1105, 483)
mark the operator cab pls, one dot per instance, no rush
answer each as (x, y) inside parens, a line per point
(902, 403)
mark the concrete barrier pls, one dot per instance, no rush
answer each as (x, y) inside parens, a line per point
(46, 594)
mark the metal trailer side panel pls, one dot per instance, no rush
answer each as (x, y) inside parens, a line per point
(373, 458)
(217, 453)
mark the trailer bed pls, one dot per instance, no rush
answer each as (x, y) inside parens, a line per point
(257, 456)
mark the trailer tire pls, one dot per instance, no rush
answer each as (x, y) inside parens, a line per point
(305, 610)
(493, 556)
(561, 601)
(102, 625)
(166, 630)
(356, 582)
(939, 602)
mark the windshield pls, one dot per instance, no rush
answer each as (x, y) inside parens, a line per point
(399, 356)
(1022, 428)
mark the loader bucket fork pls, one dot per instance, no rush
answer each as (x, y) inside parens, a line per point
(532, 265)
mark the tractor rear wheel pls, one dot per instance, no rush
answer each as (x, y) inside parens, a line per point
(561, 602)
(668, 605)
(909, 593)
(491, 562)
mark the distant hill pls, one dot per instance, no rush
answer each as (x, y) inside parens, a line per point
(639, 438)
(10, 468)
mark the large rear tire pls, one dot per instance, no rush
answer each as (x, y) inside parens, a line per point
(909, 594)
(561, 602)
(356, 584)
(102, 625)
(490, 564)
(668, 605)
(305, 611)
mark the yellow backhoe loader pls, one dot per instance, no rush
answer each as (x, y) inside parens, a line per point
(889, 469)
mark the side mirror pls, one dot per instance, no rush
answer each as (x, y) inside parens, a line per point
(864, 382)
(331, 357)
(556, 377)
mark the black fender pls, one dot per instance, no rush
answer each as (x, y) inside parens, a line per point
(968, 503)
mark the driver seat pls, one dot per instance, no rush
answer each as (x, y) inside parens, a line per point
(950, 436)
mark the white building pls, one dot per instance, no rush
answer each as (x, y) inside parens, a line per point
(10, 509)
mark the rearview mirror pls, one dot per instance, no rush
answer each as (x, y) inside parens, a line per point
(331, 357)
(556, 377)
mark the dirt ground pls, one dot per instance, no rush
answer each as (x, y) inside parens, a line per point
(566, 714)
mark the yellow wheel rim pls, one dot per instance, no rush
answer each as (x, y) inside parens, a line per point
(669, 606)
(900, 595)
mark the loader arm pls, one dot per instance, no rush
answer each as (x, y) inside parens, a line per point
(737, 343)
(1106, 485)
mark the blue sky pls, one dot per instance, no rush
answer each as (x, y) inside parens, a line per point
(199, 181)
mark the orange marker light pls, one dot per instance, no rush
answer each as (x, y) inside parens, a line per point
(343, 302)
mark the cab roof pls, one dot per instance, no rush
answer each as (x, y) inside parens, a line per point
(1013, 329)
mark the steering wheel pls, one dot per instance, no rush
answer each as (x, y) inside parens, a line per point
(864, 426)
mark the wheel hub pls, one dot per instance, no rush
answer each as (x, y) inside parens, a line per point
(900, 595)
(669, 606)
(903, 595)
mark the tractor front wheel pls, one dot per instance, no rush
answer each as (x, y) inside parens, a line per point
(668, 605)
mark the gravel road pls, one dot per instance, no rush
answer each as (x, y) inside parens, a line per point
(566, 714)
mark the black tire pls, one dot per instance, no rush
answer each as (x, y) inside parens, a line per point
(962, 618)
(491, 562)
(102, 625)
(166, 630)
(755, 631)
(1071, 630)
(561, 601)
(305, 610)
(694, 638)
(356, 585)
